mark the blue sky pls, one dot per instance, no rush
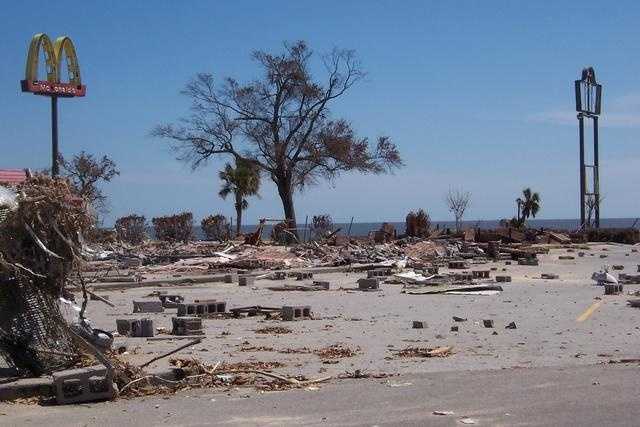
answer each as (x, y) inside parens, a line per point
(477, 95)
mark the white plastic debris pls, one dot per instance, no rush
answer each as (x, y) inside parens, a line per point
(603, 277)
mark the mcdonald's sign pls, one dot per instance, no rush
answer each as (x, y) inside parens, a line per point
(53, 55)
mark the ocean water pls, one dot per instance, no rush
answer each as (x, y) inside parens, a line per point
(363, 228)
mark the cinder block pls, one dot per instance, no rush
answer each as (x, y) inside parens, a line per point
(123, 326)
(455, 328)
(231, 278)
(369, 283)
(488, 323)
(378, 272)
(457, 265)
(432, 270)
(303, 275)
(528, 261)
(617, 267)
(419, 324)
(322, 284)
(187, 326)
(246, 280)
(202, 308)
(147, 307)
(503, 278)
(612, 289)
(480, 274)
(142, 328)
(298, 312)
(83, 385)
(549, 276)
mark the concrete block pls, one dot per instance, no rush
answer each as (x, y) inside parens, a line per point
(617, 267)
(503, 278)
(419, 324)
(147, 307)
(202, 308)
(528, 261)
(230, 278)
(322, 284)
(432, 270)
(123, 326)
(304, 275)
(83, 385)
(488, 323)
(142, 328)
(612, 289)
(379, 272)
(457, 265)
(246, 280)
(480, 274)
(455, 328)
(549, 276)
(298, 312)
(369, 283)
(187, 326)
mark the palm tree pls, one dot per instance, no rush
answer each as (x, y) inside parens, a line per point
(241, 181)
(530, 204)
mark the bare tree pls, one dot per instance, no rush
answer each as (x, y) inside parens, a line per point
(86, 172)
(458, 201)
(281, 122)
(591, 202)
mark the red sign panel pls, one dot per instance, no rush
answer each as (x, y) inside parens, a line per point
(47, 88)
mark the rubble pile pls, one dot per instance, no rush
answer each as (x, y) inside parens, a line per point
(40, 248)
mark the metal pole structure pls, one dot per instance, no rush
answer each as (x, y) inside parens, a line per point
(582, 170)
(54, 136)
(596, 171)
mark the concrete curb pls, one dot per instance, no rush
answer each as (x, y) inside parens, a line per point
(27, 387)
(43, 386)
(190, 280)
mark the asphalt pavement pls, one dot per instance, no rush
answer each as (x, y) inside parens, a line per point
(595, 395)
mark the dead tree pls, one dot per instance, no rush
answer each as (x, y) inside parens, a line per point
(281, 122)
(458, 201)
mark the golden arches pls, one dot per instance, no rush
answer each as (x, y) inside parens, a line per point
(53, 58)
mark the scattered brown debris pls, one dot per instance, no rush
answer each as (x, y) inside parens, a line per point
(424, 352)
(274, 330)
(335, 351)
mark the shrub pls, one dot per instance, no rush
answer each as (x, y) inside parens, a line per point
(216, 227)
(174, 228)
(131, 229)
(418, 224)
(321, 225)
(281, 234)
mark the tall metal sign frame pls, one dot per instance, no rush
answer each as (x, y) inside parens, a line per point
(52, 87)
(589, 106)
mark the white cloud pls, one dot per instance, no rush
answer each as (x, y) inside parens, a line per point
(623, 111)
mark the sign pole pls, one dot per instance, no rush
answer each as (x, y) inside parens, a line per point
(54, 136)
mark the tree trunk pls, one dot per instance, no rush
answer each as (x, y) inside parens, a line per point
(286, 195)
(238, 214)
